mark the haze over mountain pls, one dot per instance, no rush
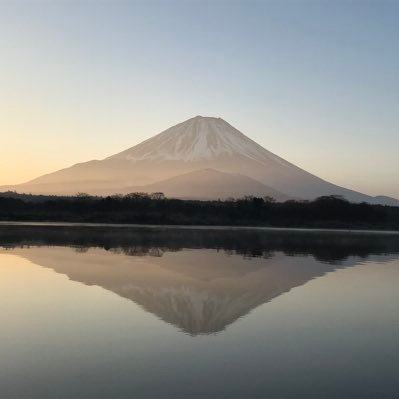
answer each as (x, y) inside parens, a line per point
(201, 158)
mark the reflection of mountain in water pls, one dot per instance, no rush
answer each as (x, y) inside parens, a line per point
(200, 291)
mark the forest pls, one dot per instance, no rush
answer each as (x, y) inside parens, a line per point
(155, 208)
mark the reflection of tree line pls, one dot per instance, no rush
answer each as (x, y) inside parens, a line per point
(329, 211)
(324, 246)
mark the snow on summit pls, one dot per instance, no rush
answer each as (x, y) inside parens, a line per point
(199, 138)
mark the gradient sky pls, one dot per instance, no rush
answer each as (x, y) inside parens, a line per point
(315, 82)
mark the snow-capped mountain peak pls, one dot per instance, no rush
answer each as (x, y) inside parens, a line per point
(199, 138)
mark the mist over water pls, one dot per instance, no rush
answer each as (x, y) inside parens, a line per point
(183, 313)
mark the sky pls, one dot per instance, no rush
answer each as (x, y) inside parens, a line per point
(315, 82)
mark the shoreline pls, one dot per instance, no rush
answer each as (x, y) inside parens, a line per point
(197, 227)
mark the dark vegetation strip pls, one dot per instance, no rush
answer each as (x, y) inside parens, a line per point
(141, 208)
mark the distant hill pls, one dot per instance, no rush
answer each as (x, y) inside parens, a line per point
(210, 184)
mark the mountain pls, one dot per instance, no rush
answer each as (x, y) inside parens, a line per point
(196, 145)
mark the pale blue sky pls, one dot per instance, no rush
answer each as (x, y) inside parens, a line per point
(314, 81)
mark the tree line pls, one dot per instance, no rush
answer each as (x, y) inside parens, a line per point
(155, 208)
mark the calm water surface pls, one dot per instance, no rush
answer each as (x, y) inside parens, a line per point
(90, 312)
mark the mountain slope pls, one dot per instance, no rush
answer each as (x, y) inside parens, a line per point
(196, 144)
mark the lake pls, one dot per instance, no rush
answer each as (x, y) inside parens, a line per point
(124, 312)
